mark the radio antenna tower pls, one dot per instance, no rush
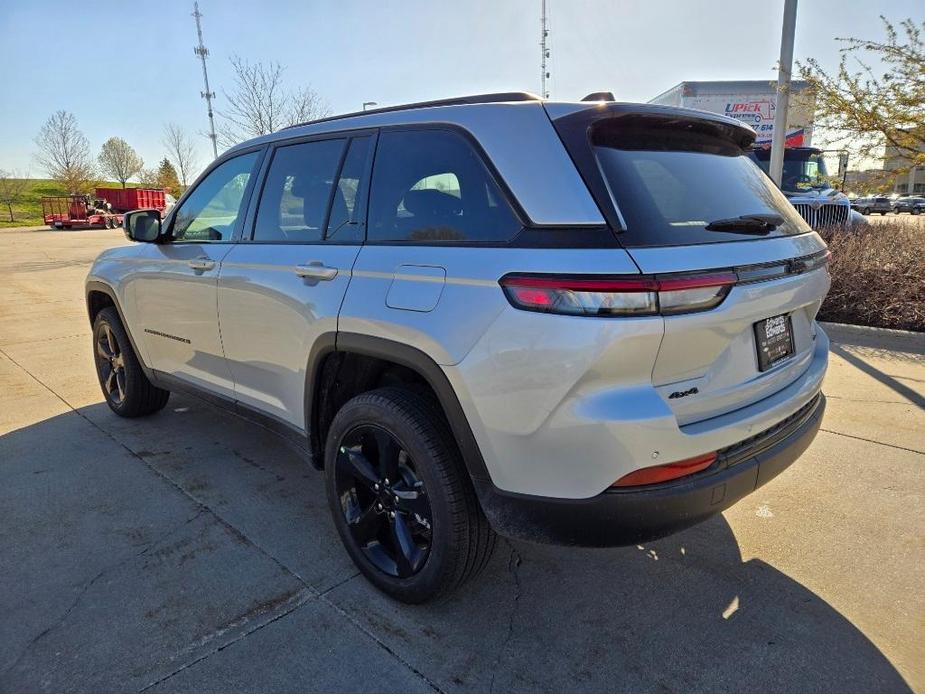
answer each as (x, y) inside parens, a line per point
(208, 95)
(544, 34)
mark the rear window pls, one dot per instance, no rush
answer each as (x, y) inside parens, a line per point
(671, 180)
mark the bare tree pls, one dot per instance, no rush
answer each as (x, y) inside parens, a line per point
(12, 186)
(119, 160)
(306, 104)
(181, 151)
(259, 103)
(64, 152)
(149, 178)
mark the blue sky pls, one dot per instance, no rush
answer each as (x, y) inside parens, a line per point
(133, 67)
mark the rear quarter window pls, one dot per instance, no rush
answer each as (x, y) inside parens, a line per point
(431, 187)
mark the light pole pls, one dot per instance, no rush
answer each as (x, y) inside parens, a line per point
(369, 103)
(779, 136)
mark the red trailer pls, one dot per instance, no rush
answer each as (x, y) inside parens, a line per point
(66, 211)
(126, 199)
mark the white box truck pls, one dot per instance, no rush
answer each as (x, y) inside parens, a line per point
(750, 101)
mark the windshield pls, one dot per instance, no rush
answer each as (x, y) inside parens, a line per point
(803, 169)
(676, 186)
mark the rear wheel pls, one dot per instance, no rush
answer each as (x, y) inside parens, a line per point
(401, 499)
(127, 390)
(866, 210)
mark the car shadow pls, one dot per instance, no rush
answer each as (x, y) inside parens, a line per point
(688, 612)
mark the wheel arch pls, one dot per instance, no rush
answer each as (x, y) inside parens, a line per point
(322, 375)
(100, 295)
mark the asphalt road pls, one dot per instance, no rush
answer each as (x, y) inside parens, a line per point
(192, 551)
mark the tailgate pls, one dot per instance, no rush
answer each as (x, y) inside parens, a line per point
(708, 363)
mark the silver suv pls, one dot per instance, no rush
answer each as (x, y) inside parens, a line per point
(581, 323)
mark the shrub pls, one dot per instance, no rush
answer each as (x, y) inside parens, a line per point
(878, 276)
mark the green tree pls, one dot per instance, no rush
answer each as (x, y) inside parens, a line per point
(869, 106)
(167, 176)
(118, 160)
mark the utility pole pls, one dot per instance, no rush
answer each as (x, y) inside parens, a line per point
(208, 95)
(544, 33)
(779, 136)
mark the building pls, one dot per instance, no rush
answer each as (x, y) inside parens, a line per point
(906, 180)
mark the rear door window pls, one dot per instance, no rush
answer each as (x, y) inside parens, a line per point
(430, 186)
(294, 203)
(673, 185)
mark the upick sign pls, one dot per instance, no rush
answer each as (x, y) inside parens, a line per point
(758, 111)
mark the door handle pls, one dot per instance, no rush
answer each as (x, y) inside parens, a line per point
(316, 270)
(202, 264)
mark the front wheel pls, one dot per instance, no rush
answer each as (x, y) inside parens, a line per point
(401, 499)
(127, 390)
(866, 210)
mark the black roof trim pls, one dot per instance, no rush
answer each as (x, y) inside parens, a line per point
(455, 101)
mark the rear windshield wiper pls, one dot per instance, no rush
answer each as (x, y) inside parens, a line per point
(747, 223)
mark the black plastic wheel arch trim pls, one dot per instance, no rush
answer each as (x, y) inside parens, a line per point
(409, 357)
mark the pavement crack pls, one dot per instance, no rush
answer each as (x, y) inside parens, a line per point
(879, 443)
(513, 564)
(58, 622)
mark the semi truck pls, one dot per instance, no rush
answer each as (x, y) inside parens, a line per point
(805, 179)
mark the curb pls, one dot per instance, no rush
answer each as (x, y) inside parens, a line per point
(871, 331)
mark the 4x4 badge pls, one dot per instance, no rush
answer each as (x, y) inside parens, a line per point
(683, 393)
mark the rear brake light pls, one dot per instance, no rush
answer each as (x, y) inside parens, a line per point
(666, 472)
(617, 296)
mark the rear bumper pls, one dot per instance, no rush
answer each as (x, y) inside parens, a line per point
(626, 517)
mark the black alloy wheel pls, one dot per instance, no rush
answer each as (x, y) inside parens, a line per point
(110, 364)
(384, 502)
(400, 496)
(125, 386)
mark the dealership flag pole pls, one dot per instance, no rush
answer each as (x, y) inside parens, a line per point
(779, 136)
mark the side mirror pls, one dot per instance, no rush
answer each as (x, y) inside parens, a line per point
(142, 225)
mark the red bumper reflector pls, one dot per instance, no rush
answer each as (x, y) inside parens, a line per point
(666, 472)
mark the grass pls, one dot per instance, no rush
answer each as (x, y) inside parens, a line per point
(878, 276)
(28, 211)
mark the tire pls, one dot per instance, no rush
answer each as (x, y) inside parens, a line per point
(866, 210)
(883, 214)
(913, 211)
(127, 390)
(458, 541)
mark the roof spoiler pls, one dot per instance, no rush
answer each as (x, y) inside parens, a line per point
(600, 96)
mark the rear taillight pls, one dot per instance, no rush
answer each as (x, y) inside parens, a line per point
(617, 296)
(666, 472)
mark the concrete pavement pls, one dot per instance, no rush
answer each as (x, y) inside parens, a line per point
(192, 551)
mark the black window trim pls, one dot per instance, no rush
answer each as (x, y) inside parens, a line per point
(167, 234)
(248, 228)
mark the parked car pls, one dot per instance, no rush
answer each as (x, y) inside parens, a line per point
(582, 323)
(910, 204)
(873, 204)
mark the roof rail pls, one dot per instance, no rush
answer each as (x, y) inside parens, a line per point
(455, 101)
